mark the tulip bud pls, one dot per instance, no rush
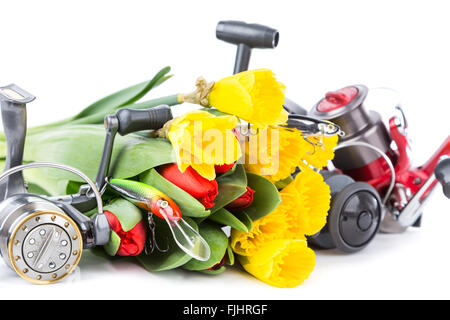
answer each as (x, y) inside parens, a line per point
(222, 168)
(242, 202)
(202, 189)
(128, 232)
(218, 265)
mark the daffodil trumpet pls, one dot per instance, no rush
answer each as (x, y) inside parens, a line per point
(202, 140)
(152, 200)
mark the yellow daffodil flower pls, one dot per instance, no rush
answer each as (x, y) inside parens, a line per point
(276, 152)
(273, 152)
(273, 226)
(306, 203)
(275, 250)
(254, 96)
(202, 140)
(282, 263)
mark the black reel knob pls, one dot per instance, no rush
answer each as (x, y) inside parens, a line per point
(442, 173)
(354, 218)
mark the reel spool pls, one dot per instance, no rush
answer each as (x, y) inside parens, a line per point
(41, 239)
(345, 107)
(355, 215)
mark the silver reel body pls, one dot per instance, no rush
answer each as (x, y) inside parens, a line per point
(42, 238)
(38, 239)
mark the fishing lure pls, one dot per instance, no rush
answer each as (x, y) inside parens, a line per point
(154, 201)
(312, 127)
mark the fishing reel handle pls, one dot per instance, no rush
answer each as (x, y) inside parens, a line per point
(126, 121)
(133, 120)
(246, 36)
(442, 172)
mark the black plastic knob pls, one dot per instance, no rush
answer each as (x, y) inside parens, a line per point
(442, 172)
(133, 120)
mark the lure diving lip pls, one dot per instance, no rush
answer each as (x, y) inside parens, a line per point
(153, 200)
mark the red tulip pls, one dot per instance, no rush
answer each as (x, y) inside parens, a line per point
(223, 167)
(204, 190)
(242, 202)
(220, 264)
(132, 242)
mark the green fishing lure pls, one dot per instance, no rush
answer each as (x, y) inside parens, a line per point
(154, 201)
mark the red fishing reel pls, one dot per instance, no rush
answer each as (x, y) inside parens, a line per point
(373, 186)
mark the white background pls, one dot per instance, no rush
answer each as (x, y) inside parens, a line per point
(71, 54)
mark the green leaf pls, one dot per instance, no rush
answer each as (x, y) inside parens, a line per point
(127, 213)
(101, 253)
(3, 149)
(216, 112)
(113, 245)
(98, 118)
(226, 218)
(245, 219)
(123, 97)
(81, 146)
(227, 173)
(73, 187)
(231, 187)
(188, 205)
(36, 189)
(217, 241)
(169, 100)
(141, 157)
(284, 183)
(230, 256)
(173, 258)
(265, 199)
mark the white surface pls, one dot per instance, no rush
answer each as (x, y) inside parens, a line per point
(69, 55)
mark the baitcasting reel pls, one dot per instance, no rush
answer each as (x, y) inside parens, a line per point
(374, 186)
(42, 237)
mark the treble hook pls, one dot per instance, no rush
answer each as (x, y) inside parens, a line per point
(151, 242)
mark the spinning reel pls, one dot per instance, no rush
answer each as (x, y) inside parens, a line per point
(374, 186)
(42, 237)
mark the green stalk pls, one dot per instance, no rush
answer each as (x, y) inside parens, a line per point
(98, 118)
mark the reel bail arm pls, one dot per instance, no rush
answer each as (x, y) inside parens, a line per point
(13, 102)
